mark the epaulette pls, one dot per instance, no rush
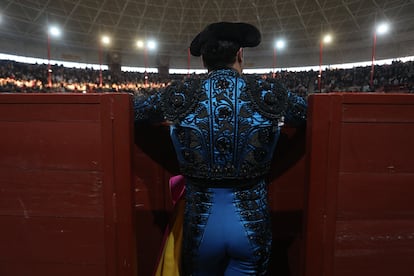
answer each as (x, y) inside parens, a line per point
(268, 97)
(180, 98)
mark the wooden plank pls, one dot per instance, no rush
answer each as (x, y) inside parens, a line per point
(398, 263)
(333, 168)
(373, 98)
(380, 148)
(287, 192)
(152, 202)
(374, 247)
(375, 195)
(123, 185)
(150, 183)
(50, 145)
(54, 98)
(317, 161)
(66, 175)
(30, 193)
(377, 235)
(365, 188)
(378, 113)
(46, 269)
(52, 240)
(28, 112)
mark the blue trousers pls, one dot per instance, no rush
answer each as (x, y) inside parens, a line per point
(226, 231)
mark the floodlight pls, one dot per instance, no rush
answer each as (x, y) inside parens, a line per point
(151, 44)
(106, 40)
(382, 28)
(280, 44)
(140, 44)
(327, 39)
(54, 31)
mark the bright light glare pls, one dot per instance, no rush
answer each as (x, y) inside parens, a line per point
(54, 31)
(140, 44)
(383, 28)
(151, 44)
(327, 38)
(280, 44)
(106, 40)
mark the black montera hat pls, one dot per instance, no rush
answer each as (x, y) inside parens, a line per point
(244, 34)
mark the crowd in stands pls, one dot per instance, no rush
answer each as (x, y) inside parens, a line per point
(395, 77)
(33, 78)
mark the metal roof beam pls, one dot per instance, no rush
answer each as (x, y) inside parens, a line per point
(322, 11)
(302, 21)
(351, 14)
(98, 13)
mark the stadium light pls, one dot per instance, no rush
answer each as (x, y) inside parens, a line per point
(105, 40)
(325, 40)
(140, 44)
(151, 45)
(146, 45)
(279, 45)
(383, 28)
(53, 31)
(380, 29)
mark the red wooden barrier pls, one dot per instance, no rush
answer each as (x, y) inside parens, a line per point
(360, 210)
(70, 175)
(66, 205)
(73, 186)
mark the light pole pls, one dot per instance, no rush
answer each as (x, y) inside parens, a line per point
(105, 40)
(279, 44)
(148, 45)
(188, 61)
(141, 45)
(380, 29)
(55, 32)
(326, 40)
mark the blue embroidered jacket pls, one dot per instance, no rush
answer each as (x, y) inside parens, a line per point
(226, 126)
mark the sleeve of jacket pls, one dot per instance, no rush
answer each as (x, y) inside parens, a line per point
(147, 109)
(296, 113)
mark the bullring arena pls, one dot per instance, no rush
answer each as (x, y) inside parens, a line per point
(85, 192)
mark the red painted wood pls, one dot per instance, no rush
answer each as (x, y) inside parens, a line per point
(374, 247)
(318, 128)
(50, 145)
(67, 200)
(52, 240)
(360, 213)
(375, 196)
(121, 116)
(381, 112)
(68, 157)
(38, 268)
(152, 159)
(75, 194)
(287, 177)
(382, 147)
(49, 111)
